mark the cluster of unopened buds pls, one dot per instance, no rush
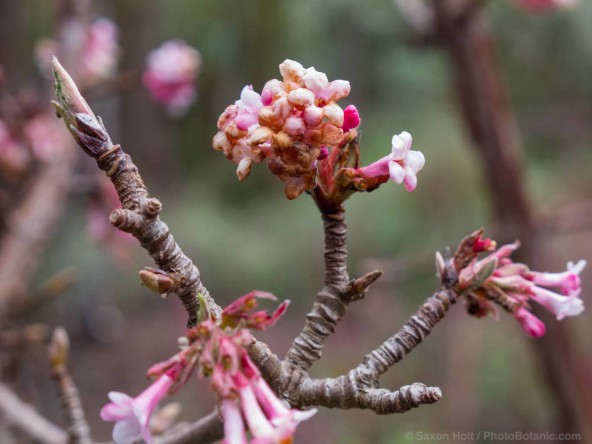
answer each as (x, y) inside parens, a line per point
(306, 138)
(496, 279)
(215, 349)
(170, 75)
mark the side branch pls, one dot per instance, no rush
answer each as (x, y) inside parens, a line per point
(139, 215)
(410, 335)
(331, 301)
(359, 387)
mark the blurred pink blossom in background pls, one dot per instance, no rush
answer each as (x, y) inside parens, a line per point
(170, 75)
(99, 57)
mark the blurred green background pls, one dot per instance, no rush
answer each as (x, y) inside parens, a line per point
(246, 236)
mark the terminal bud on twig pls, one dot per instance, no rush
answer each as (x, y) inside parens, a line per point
(59, 348)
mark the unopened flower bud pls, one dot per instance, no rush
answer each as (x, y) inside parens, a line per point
(59, 347)
(70, 100)
(158, 280)
(301, 97)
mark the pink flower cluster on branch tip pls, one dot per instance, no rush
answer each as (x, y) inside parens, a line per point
(545, 5)
(297, 127)
(496, 278)
(170, 75)
(217, 350)
(291, 125)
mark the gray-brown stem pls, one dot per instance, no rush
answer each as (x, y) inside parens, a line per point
(331, 301)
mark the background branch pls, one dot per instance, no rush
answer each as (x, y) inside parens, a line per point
(19, 414)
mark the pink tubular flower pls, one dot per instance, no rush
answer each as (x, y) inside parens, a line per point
(132, 415)
(569, 281)
(532, 326)
(496, 278)
(170, 75)
(401, 165)
(545, 5)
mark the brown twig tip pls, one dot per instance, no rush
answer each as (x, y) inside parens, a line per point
(408, 397)
(59, 348)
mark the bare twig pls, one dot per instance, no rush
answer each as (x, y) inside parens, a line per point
(19, 414)
(139, 214)
(59, 350)
(331, 301)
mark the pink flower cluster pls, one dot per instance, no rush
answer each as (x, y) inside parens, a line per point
(545, 5)
(217, 350)
(484, 280)
(171, 71)
(307, 139)
(291, 125)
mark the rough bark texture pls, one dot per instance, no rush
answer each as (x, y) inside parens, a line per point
(330, 305)
(78, 429)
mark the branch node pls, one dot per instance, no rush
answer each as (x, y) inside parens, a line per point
(153, 207)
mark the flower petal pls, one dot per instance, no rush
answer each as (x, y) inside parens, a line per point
(127, 431)
(396, 171)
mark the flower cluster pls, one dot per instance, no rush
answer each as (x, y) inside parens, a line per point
(292, 125)
(544, 5)
(497, 279)
(171, 71)
(297, 127)
(217, 350)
